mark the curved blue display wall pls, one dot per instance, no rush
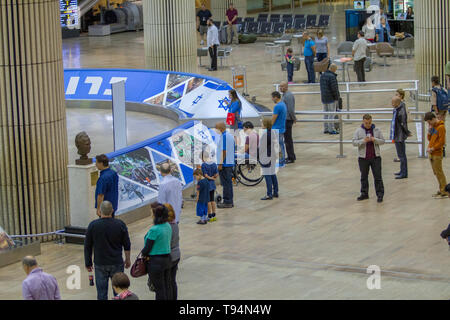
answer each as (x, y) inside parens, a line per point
(191, 96)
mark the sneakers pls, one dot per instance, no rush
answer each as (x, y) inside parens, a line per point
(440, 195)
(362, 197)
(380, 199)
(202, 222)
(267, 198)
(333, 132)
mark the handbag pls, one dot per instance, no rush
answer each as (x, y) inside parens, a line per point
(139, 267)
(231, 119)
(340, 103)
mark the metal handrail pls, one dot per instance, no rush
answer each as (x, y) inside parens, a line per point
(414, 91)
(342, 121)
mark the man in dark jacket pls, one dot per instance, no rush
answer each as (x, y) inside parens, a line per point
(329, 91)
(399, 134)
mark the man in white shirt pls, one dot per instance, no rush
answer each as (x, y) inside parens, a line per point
(359, 56)
(170, 190)
(212, 40)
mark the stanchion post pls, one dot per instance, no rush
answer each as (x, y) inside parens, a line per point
(341, 137)
(422, 117)
(347, 86)
(417, 95)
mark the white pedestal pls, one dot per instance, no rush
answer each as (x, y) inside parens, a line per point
(82, 182)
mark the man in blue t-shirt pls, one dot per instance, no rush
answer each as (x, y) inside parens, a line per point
(225, 162)
(107, 184)
(279, 121)
(309, 52)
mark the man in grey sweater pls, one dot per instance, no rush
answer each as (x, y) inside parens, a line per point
(368, 139)
(291, 119)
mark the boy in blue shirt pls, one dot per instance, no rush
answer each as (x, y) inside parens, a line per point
(202, 196)
(210, 172)
(279, 121)
(309, 52)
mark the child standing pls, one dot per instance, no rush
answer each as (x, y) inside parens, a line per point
(210, 172)
(202, 196)
(290, 65)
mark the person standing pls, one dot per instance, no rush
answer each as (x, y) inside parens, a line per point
(290, 60)
(235, 108)
(268, 158)
(38, 285)
(210, 172)
(368, 139)
(279, 122)
(309, 52)
(369, 30)
(212, 41)
(323, 49)
(436, 142)
(175, 253)
(359, 56)
(202, 196)
(291, 119)
(107, 184)
(171, 190)
(383, 32)
(329, 92)
(399, 133)
(157, 250)
(410, 13)
(439, 99)
(232, 15)
(225, 161)
(203, 16)
(107, 237)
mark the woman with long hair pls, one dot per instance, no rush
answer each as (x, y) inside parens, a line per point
(157, 250)
(235, 107)
(174, 253)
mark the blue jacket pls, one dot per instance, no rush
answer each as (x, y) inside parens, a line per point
(380, 33)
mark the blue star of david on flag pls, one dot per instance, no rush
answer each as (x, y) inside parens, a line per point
(223, 105)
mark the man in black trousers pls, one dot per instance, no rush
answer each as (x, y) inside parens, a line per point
(368, 139)
(212, 40)
(291, 119)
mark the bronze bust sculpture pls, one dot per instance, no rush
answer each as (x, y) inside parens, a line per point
(83, 144)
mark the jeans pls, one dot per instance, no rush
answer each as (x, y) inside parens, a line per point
(401, 153)
(288, 140)
(436, 165)
(213, 55)
(321, 56)
(173, 288)
(329, 107)
(159, 275)
(309, 63)
(102, 275)
(359, 69)
(282, 151)
(272, 185)
(364, 166)
(226, 175)
(290, 71)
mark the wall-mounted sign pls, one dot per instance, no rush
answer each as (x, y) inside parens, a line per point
(69, 14)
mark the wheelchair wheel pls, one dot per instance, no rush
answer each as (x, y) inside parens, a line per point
(249, 174)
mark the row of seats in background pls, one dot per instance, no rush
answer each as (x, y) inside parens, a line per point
(278, 24)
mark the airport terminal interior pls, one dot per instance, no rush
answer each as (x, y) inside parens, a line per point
(315, 241)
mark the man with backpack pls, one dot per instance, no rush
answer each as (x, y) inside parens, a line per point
(439, 99)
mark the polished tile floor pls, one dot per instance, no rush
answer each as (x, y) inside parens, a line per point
(315, 241)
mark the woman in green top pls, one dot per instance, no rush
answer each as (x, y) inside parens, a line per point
(157, 248)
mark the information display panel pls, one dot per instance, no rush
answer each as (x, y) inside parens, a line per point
(69, 13)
